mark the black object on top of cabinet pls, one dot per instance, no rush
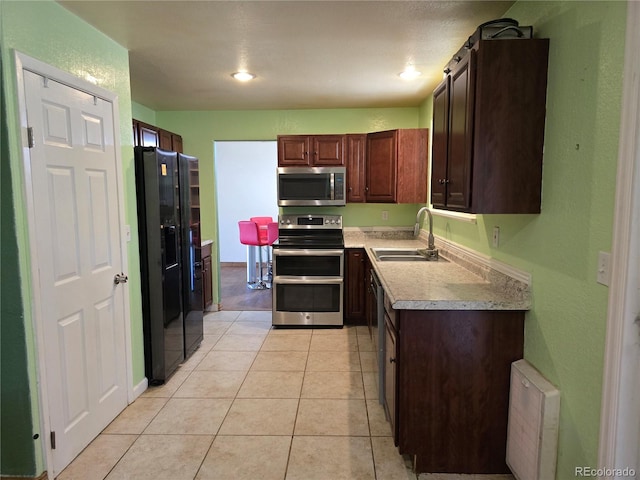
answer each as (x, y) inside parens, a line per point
(191, 255)
(488, 128)
(499, 29)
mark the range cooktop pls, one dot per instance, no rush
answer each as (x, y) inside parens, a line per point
(310, 231)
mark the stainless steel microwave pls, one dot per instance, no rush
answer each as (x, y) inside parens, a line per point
(311, 186)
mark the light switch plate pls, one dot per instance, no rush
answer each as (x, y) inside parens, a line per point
(496, 237)
(604, 273)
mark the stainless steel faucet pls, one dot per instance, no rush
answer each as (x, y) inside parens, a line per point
(416, 229)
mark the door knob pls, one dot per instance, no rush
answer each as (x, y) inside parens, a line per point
(120, 278)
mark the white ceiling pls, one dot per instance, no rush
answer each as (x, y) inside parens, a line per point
(306, 54)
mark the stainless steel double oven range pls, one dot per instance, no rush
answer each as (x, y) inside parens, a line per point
(308, 271)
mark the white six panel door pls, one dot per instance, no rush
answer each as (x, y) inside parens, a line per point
(76, 207)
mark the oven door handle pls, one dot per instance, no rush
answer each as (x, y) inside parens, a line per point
(307, 251)
(307, 280)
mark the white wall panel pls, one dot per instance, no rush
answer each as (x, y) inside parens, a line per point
(245, 175)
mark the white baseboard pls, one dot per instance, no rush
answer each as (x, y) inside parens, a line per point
(140, 388)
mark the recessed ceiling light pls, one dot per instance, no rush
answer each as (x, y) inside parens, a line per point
(410, 73)
(243, 76)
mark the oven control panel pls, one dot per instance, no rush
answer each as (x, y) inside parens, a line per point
(310, 221)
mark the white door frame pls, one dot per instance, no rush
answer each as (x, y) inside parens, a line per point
(24, 62)
(618, 435)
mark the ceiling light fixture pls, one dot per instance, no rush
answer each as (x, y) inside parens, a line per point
(410, 73)
(243, 76)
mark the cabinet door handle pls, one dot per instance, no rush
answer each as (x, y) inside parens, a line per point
(392, 360)
(443, 181)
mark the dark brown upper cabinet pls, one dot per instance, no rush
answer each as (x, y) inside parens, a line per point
(382, 167)
(356, 167)
(488, 129)
(145, 135)
(311, 150)
(170, 141)
(396, 166)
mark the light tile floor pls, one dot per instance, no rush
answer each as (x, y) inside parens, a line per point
(257, 403)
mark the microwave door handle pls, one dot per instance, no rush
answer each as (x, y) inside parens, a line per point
(332, 186)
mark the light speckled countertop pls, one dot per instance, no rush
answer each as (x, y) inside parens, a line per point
(441, 285)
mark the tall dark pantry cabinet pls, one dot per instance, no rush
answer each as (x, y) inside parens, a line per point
(170, 259)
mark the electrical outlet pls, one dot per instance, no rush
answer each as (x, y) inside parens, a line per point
(604, 275)
(496, 237)
(385, 215)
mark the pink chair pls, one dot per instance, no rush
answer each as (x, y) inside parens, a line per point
(262, 225)
(267, 237)
(250, 236)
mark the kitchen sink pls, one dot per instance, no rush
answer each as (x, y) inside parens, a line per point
(406, 255)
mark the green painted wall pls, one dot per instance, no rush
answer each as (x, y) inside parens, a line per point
(17, 449)
(565, 331)
(200, 130)
(564, 335)
(142, 113)
(46, 31)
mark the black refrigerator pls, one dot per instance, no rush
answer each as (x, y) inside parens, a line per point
(171, 272)
(192, 301)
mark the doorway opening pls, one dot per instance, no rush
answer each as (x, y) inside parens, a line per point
(245, 176)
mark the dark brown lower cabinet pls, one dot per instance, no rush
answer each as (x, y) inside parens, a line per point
(448, 387)
(390, 375)
(371, 308)
(207, 280)
(355, 286)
